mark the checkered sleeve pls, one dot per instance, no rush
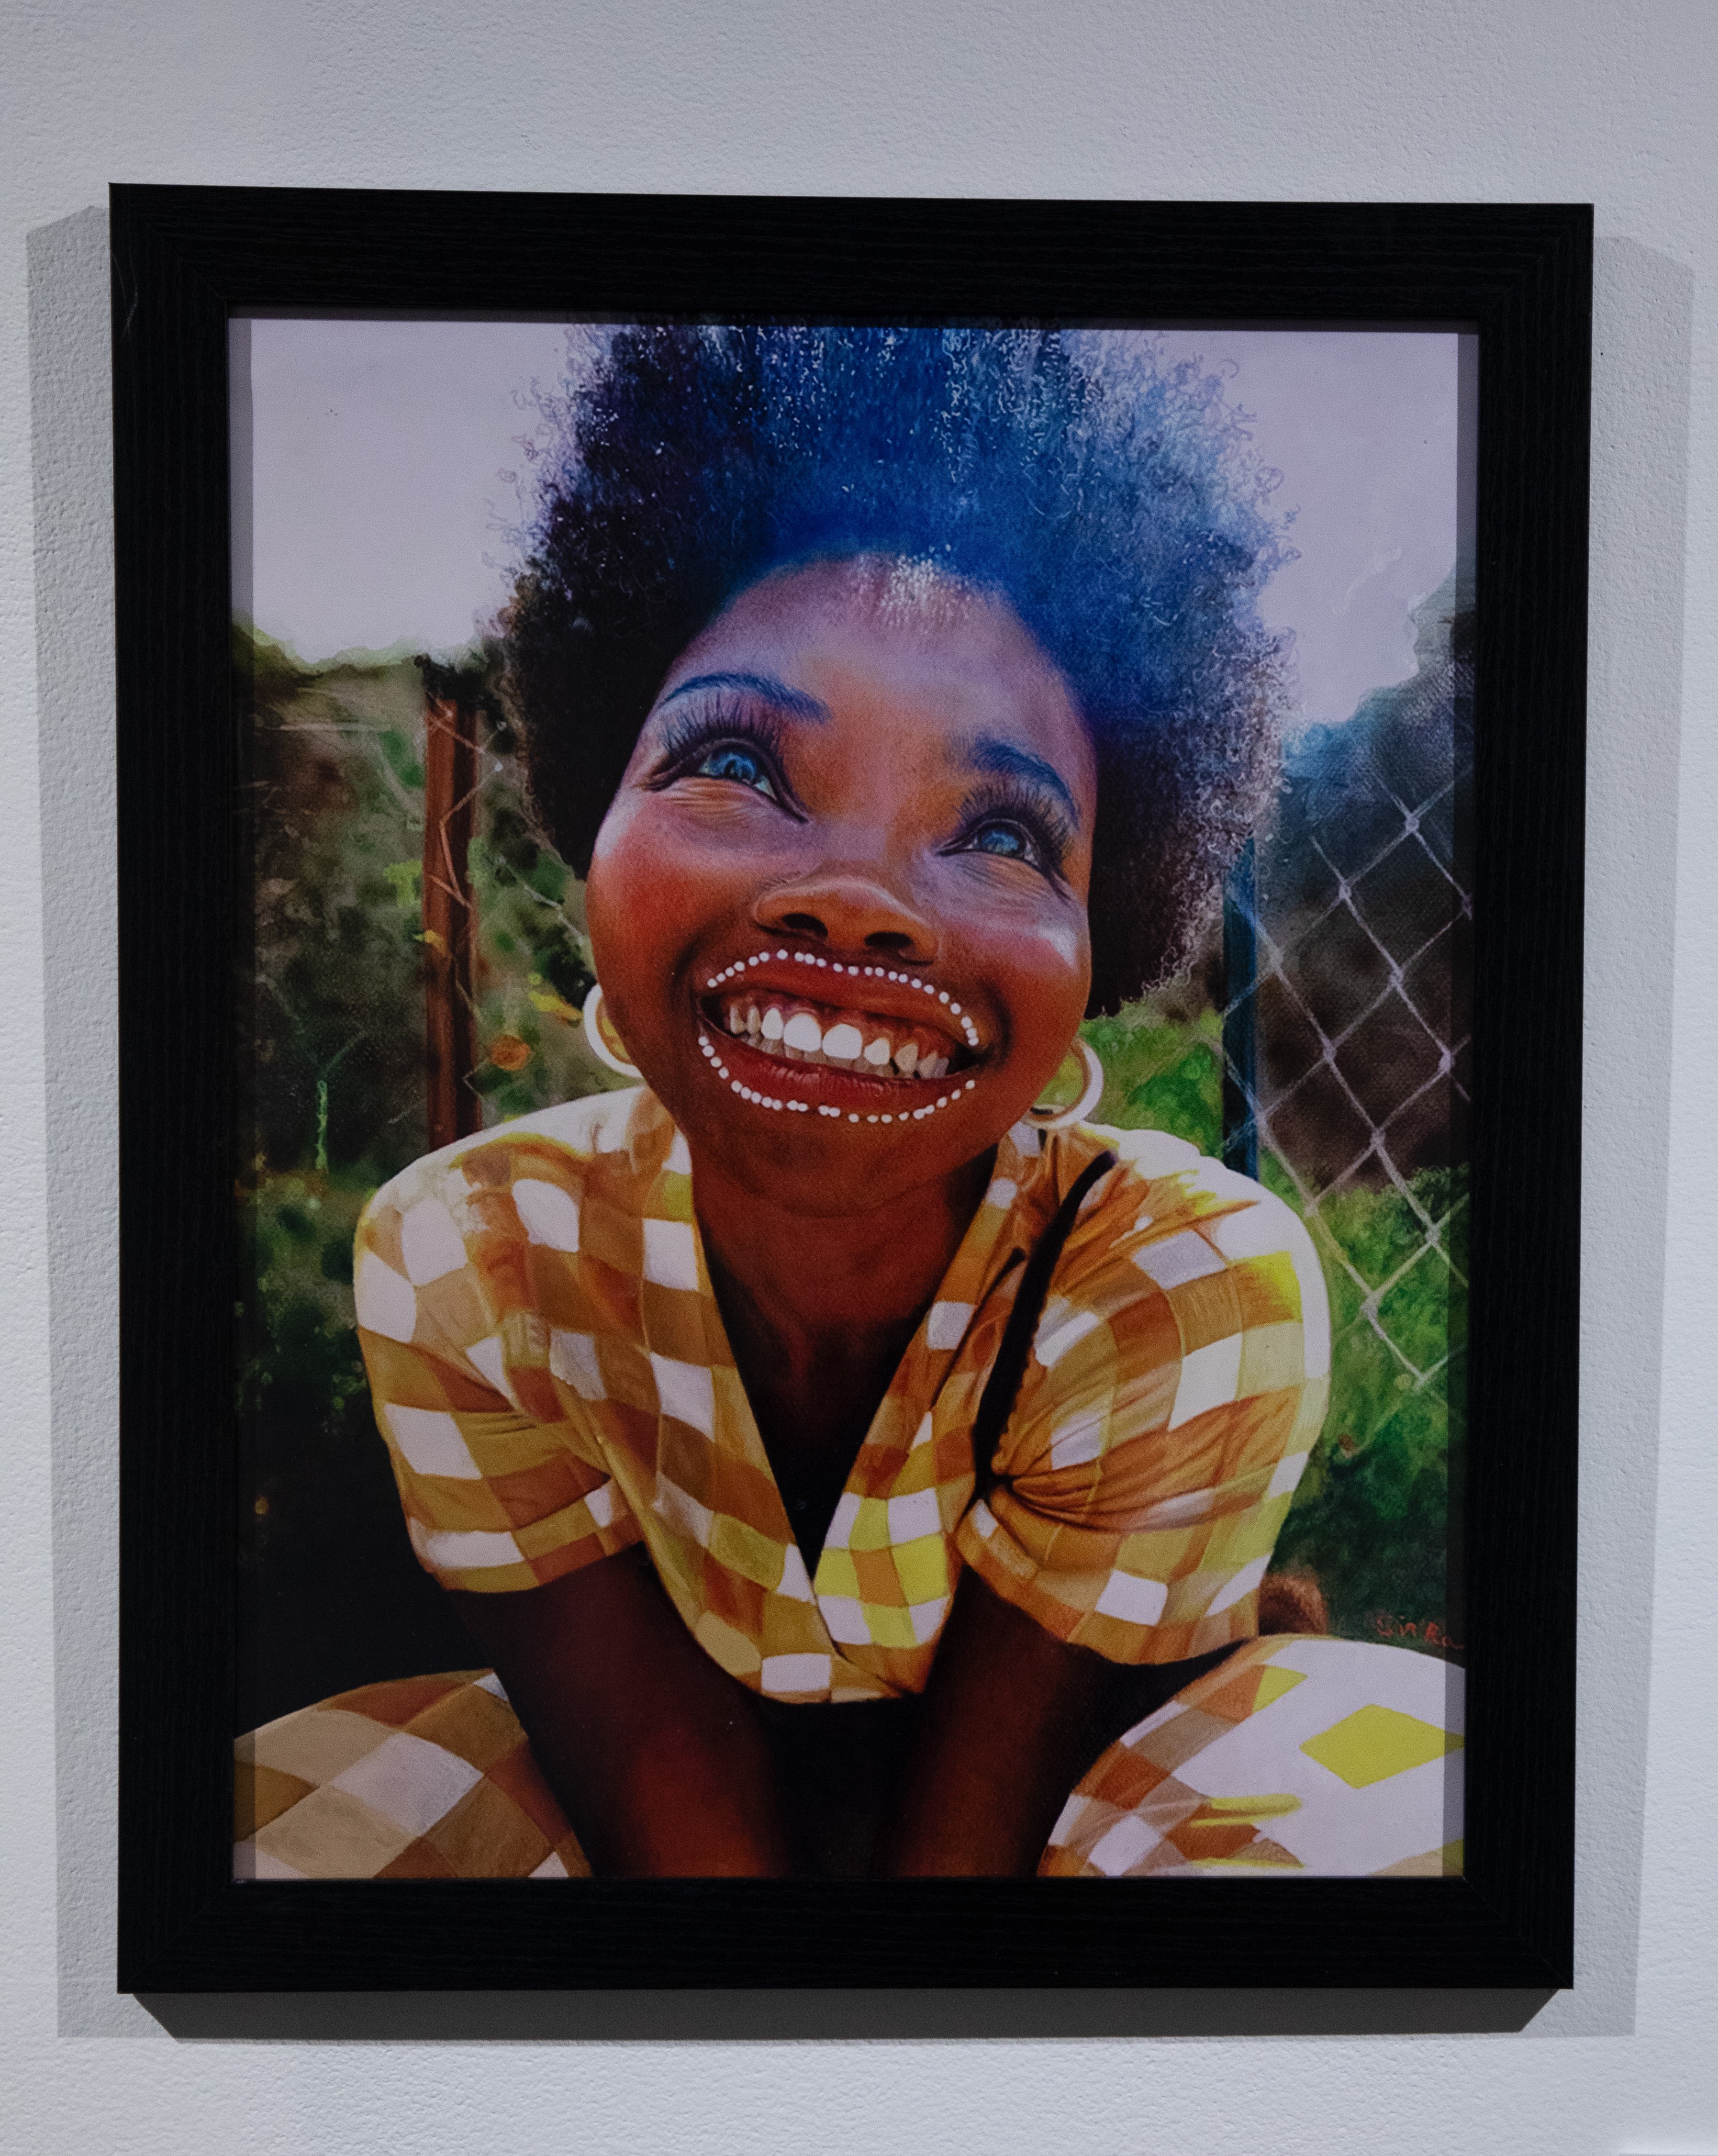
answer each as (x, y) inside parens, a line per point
(501, 1464)
(1177, 1380)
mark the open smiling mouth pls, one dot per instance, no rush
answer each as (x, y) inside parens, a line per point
(797, 1054)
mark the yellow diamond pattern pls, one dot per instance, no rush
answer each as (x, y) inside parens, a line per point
(1274, 1682)
(1374, 1742)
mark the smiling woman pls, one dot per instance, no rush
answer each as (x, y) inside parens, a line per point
(903, 788)
(846, 1463)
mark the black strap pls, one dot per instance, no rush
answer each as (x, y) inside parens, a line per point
(1009, 1368)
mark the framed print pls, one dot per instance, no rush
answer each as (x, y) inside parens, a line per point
(850, 1109)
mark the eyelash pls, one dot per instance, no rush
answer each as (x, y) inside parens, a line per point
(1001, 803)
(724, 720)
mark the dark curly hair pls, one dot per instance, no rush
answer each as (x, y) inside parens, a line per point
(1108, 498)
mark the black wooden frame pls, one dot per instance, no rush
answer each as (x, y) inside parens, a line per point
(185, 258)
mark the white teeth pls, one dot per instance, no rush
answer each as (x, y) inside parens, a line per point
(842, 1043)
(786, 1030)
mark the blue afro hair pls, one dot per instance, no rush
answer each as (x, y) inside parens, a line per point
(1108, 498)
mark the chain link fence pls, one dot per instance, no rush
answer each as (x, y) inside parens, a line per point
(1345, 1030)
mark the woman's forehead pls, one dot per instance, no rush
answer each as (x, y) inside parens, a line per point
(882, 638)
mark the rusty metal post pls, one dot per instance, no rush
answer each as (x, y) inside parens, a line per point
(450, 802)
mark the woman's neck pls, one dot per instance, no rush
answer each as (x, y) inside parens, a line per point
(809, 1284)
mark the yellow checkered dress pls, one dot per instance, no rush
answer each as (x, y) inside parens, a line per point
(551, 1375)
(1293, 1757)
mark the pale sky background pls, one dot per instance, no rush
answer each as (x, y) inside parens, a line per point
(379, 466)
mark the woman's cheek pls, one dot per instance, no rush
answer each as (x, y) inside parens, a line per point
(1054, 954)
(608, 861)
(629, 906)
(659, 896)
(1065, 941)
(1060, 986)
(632, 893)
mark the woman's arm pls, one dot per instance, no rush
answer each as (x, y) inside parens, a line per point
(1013, 1718)
(653, 1751)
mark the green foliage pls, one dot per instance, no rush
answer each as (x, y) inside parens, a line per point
(302, 1337)
(1374, 1511)
(331, 1594)
(1164, 1074)
(533, 969)
(335, 1017)
(401, 757)
(337, 1013)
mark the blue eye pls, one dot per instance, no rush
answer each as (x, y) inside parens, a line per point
(732, 760)
(1011, 822)
(1007, 841)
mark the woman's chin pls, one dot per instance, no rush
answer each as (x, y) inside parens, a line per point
(815, 1139)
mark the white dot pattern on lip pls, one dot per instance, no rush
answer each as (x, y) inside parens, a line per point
(745, 1092)
(712, 1055)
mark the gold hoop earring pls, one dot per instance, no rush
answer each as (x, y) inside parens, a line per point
(1060, 1119)
(593, 1015)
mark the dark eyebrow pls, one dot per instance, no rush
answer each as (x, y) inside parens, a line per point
(764, 686)
(1006, 761)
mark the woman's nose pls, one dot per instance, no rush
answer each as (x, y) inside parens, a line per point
(849, 912)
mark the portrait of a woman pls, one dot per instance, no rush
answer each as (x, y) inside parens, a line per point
(847, 1456)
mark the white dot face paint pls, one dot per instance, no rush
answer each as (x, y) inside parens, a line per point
(912, 1033)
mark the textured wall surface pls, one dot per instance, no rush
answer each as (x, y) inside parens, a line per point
(1614, 101)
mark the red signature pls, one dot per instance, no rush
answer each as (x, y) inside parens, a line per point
(1430, 1633)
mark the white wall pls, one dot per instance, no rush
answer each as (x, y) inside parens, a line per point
(1611, 100)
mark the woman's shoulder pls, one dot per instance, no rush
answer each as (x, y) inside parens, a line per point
(1160, 1182)
(1168, 1214)
(544, 1160)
